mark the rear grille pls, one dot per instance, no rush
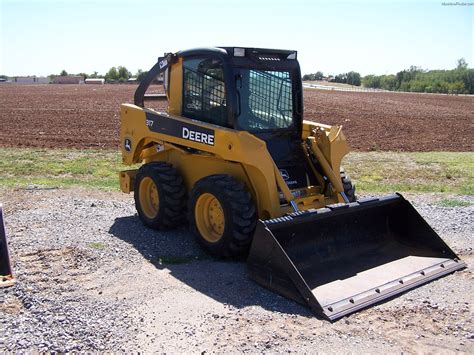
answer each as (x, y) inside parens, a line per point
(269, 57)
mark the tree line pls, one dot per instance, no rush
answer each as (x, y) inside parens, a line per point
(118, 74)
(459, 80)
(351, 78)
(456, 81)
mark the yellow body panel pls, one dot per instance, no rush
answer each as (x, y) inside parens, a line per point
(126, 178)
(175, 91)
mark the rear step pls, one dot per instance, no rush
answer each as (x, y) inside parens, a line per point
(345, 257)
(6, 276)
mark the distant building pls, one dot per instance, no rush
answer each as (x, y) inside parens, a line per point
(28, 80)
(96, 81)
(69, 79)
(43, 80)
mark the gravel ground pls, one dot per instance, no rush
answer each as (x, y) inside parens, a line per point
(91, 277)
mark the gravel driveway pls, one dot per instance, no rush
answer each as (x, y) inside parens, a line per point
(91, 277)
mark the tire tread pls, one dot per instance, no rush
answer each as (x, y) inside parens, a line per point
(244, 217)
(171, 183)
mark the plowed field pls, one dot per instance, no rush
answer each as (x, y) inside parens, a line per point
(87, 116)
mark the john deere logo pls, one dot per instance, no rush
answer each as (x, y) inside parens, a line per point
(163, 63)
(284, 174)
(127, 144)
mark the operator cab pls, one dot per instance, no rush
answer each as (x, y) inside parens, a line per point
(256, 90)
(249, 89)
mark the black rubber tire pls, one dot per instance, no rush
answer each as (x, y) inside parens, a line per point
(349, 188)
(171, 193)
(239, 215)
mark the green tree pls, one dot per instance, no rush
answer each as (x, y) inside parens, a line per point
(141, 74)
(417, 86)
(462, 64)
(372, 81)
(388, 82)
(341, 78)
(112, 74)
(456, 88)
(63, 73)
(123, 73)
(353, 78)
(312, 77)
(468, 79)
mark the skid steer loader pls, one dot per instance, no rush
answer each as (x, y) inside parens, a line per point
(256, 179)
(6, 275)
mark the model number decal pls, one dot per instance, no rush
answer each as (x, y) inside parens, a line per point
(149, 123)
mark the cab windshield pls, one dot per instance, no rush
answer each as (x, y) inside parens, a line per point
(265, 99)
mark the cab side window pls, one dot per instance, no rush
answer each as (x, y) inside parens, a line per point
(204, 96)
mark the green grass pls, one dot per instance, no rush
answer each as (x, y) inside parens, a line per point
(372, 172)
(453, 202)
(59, 168)
(97, 245)
(450, 172)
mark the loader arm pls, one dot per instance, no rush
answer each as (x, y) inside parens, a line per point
(160, 67)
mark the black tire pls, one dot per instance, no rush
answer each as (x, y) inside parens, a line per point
(239, 215)
(349, 188)
(171, 193)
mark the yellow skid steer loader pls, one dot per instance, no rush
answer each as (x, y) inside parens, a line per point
(257, 180)
(6, 276)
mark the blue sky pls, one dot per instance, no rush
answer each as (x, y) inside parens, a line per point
(44, 37)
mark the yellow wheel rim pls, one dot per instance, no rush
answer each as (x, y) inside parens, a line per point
(209, 216)
(149, 199)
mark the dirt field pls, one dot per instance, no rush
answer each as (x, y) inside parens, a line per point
(91, 277)
(83, 116)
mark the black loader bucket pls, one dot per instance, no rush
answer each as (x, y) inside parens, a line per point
(6, 276)
(342, 258)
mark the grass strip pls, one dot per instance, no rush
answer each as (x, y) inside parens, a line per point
(372, 172)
